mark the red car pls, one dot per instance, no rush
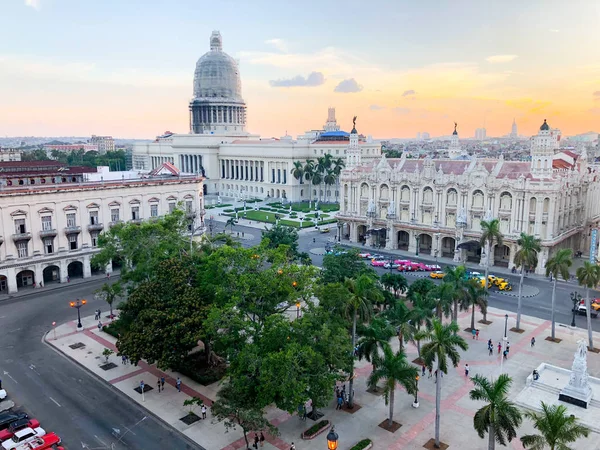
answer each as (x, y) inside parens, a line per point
(16, 426)
(46, 442)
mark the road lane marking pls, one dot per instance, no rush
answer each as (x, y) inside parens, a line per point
(100, 440)
(9, 376)
(57, 404)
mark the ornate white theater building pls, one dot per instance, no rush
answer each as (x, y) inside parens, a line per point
(236, 163)
(51, 217)
(435, 207)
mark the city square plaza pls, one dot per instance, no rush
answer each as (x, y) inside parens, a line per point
(417, 424)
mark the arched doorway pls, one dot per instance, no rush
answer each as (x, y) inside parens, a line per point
(501, 255)
(425, 243)
(472, 250)
(448, 246)
(361, 232)
(25, 278)
(75, 269)
(403, 240)
(277, 192)
(51, 274)
(3, 284)
(204, 189)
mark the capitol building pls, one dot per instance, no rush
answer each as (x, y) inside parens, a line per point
(234, 162)
(435, 206)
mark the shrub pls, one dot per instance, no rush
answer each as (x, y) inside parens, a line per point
(114, 328)
(228, 210)
(362, 444)
(316, 428)
(194, 366)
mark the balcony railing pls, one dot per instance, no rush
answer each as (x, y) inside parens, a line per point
(21, 236)
(95, 227)
(73, 230)
(48, 233)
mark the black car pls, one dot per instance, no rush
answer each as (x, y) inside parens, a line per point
(9, 417)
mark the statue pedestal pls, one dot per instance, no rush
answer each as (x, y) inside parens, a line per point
(578, 392)
(575, 397)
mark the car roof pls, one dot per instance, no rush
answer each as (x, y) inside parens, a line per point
(10, 416)
(24, 432)
(19, 423)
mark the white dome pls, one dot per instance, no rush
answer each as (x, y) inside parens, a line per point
(217, 74)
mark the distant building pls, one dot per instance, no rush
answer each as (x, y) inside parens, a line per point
(10, 154)
(29, 173)
(514, 132)
(480, 134)
(104, 143)
(425, 135)
(70, 148)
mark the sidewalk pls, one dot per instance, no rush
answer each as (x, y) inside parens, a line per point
(417, 424)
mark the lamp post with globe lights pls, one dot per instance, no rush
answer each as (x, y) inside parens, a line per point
(416, 402)
(78, 304)
(576, 299)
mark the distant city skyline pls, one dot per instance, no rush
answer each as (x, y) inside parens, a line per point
(126, 68)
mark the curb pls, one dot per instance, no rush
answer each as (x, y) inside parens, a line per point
(191, 443)
(522, 296)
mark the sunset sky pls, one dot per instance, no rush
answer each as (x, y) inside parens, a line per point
(125, 67)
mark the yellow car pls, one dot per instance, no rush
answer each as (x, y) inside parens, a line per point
(498, 281)
(438, 274)
(505, 286)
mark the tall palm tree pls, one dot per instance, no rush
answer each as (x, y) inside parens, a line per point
(230, 223)
(394, 369)
(490, 233)
(374, 337)
(443, 344)
(526, 256)
(362, 293)
(475, 295)
(441, 298)
(557, 428)
(456, 276)
(316, 180)
(329, 180)
(399, 317)
(298, 171)
(500, 417)
(338, 165)
(309, 171)
(395, 282)
(558, 265)
(589, 276)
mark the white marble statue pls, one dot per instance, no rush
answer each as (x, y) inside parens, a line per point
(462, 216)
(579, 386)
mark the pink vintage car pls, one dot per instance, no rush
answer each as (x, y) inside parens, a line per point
(379, 262)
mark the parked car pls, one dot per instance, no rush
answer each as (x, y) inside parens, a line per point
(377, 256)
(379, 262)
(438, 274)
(595, 304)
(5, 403)
(364, 255)
(393, 265)
(432, 267)
(17, 425)
(46, 442)
(21, 436)
(505, 286)
(402, 262)
(9, 417)
(581, 309)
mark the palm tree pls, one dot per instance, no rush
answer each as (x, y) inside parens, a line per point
(394, 369)
(374, 337)
(395, 282)
(338, 165)
(298, 171)
(526, 256)
(329, 180)
(441, 298)
(309, 171)
(589, 276)
(109, 293)
(399, 317)
(230, 223)
(475, 295)
(557, 427)
(456, 276)
(500, 417)
(362, 294)
(317, 179)
(444, 343)
(490, 232)
(558, 265)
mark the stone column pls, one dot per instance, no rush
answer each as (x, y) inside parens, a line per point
(63, 271)
(412, 241)
(87, 267)
(538, 216)
(11, 280)
(511, 259)
(39, 273)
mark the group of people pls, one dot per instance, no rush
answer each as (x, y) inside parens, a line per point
(341, 397)
(504, 353)
(259, 439)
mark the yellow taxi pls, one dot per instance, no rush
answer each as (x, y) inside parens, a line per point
(438, 275)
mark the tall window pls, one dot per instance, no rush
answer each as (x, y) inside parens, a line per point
(20, 226)
(153, 210)
(94, 236)
(114, 215)
(46, 223)
(22, 249)
(188, 206)
(73, 242)
(49, 245)
(71, 220)
(135, 212)
(94, 218)
(171, 207)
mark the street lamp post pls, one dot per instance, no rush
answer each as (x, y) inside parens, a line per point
(78, 304)
(576, 299)
(417, 252)
(416, 402)
(505, 324)
(504, 340)
(297, 310)
(332, 439)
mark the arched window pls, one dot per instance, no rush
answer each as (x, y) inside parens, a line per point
(505, 201)
(451, 197)
(428, 195)
(477, 199)
(384, 192)
(364, 190)
(405, 194)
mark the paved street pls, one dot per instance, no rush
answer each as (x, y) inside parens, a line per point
(63, 396)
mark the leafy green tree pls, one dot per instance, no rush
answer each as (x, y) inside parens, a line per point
(500, 418)
(394, 281)
(109, 293)
(422, 286)
(589, 276)
(35, 155)
(400, 318)
(558, 265)
(557, 428)
(443, 345)
(362, 295)
(395, 370)
(374, 337)
(442, 297)
(456, 276)
(336, 268)
(338, 165)
(490, 234)
(526, 256)
(475, 295)
(281, 235)
(143, 246)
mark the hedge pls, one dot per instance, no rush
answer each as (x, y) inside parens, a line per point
(316, 428)
(362, 444)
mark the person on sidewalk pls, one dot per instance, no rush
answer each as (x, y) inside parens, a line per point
(256, 440)
(178, 384)
(477, 334)
(490, 350)
(490, 343)
(430, 372)
(423, 370)
(499, 347)
(158, 385)
(99, 325)
(533, 341)
(340, 401)
(466, 370)
(203, 411)
(262, 439)
(123, 358)
(473, 332)
(507, 347)
(162, 382)
(293, 447)
(505, 353)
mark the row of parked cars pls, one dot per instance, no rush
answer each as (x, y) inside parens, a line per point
(403, 265)
(493, 281)
(18, 431)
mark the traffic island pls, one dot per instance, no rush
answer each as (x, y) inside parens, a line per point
(430, 445)
(395, 426)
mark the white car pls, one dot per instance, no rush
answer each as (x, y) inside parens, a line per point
(23, 436)
(5, 404)
(364, 255)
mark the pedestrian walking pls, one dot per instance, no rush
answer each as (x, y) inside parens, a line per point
(505, 353)
(162, 382)
(204, 411)
(256, 440)
(466, 370)
(533, 342)
(490, 343)
(473, 332)
(96, 314)
(178, 384)
(490, 350)
(99, 314)
(340, 400)
(262, 439)
(508, 347)
(477, 334)
(158, 385)
(123, 358)
(499, 347)
(0, 384)
(293, 447)
(423, 370)
(430, 372)
(99, 326)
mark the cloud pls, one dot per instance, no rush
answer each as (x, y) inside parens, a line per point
(401, 111)
(409, 92)
(596, 94)
(376, 107)
(35, 4)
(498, 59)
(594, 111)
(279, 44)
(347, 86)
(313, 79)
